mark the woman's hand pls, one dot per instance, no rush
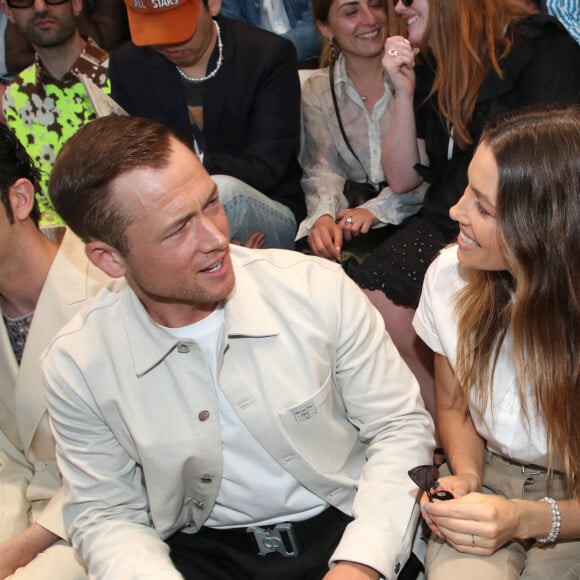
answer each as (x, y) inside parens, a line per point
(476, 523)
(457, 485)
(355, 221)
(256, 240)
(325, 239)
(398, 62)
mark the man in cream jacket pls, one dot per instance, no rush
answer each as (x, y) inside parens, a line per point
(230, 413)
(43, 282)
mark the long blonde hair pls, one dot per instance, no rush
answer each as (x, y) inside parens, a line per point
(467, 39)
(536, 303)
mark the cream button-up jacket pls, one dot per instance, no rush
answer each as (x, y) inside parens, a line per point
(308, 366)
(29, 478)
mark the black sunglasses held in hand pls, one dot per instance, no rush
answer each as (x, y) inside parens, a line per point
(425, 477)
(30, 3)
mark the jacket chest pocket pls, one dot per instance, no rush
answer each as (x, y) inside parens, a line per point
(318, 429)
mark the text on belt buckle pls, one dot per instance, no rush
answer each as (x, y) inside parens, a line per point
(280, 538)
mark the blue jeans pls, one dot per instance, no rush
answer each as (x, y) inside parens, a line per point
(250, 211)
(303, 32)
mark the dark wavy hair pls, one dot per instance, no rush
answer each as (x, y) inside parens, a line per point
(15, 163)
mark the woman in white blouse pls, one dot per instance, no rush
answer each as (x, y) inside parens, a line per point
(501, 310)
(356, 33)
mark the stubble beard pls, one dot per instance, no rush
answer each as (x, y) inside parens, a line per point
(61, 35)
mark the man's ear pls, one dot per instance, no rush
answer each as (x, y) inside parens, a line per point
(77, 6)
(106, 258)
(21, 196)
(6, 9)
(214, 7)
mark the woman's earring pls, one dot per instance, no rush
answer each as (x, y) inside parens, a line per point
(333, 52)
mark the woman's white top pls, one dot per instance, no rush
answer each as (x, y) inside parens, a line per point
(326, 159)
(503, 425)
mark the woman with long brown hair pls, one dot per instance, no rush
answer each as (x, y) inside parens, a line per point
(501, 310)
(481, 57)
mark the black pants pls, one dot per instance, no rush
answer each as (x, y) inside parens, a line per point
(232, 554)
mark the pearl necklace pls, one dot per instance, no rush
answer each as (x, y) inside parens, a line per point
(217, 66)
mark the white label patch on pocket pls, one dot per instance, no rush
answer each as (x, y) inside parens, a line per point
(305, 413)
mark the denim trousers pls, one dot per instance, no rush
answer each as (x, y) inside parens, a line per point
(250, 211)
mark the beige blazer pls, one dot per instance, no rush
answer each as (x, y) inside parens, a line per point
(29, 478)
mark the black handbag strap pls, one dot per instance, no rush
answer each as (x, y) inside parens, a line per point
(339, 119)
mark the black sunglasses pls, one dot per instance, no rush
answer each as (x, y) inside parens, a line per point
(406, 3)
(30, 3)
(425, 477)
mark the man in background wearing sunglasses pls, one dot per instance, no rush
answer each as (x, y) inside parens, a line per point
(47, 102)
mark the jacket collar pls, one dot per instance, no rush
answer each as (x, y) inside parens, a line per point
(71, 281)
(64, 275)
(246, 311)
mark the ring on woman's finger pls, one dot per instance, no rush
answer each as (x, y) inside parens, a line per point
(393, 52)
(348, 220)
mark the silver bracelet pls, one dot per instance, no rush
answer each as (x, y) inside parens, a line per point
(556, 521)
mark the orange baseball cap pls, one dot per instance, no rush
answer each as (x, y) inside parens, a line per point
(162, 21)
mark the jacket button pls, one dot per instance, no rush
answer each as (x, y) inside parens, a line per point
(397, 567)
(182, 348)
(206, 478)
(203, 416)
(198, 503)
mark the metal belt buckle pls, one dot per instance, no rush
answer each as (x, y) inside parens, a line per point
(281, 538)
(526, 470)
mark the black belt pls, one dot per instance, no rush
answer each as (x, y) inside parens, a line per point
(284, 538)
